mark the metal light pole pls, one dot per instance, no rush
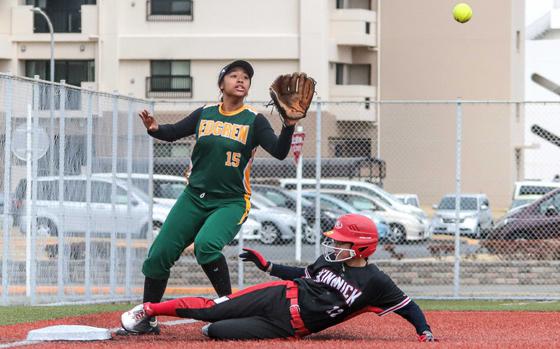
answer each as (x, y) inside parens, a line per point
(51, 99)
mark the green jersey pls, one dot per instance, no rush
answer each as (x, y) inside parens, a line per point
(224, 150)
(225, 146)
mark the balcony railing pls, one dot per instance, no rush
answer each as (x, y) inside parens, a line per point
(62, 21)
(169, 86)
(169, 10)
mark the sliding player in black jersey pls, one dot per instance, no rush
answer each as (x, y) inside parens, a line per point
(340, 284)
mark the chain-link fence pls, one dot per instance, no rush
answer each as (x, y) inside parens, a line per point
(399, 163)
(371, 151)
(74, 227)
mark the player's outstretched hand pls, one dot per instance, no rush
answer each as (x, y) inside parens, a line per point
(254, 256)
(149, 122)
(427, 336)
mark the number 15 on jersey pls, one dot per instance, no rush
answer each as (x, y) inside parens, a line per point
(233, 159)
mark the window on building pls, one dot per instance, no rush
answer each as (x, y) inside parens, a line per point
(350, 4)
(65, 15)
(170, 79)
(74, 72)
(339, 74)
(359, 74)
(169, 10)
(353, 74)
(342, 147)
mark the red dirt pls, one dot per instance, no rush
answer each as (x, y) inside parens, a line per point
(454, 329)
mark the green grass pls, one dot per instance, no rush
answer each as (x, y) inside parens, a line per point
(483, 305)
(19, 314)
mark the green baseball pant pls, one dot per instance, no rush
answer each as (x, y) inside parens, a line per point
(210, 222)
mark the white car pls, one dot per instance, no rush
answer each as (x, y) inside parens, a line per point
(359, 187)
(526, 192)
(71, 214)
(403, 226)
(166, 190)
(475, 216)
(250, 230)
(409, 199)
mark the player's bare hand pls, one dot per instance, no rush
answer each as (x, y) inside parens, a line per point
(149, 122)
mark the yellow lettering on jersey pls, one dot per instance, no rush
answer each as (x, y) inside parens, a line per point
(238, 133)
(244, 132)
(209, 128)
(226, 132)
(218, 128)
(201, 127)
(235, 132)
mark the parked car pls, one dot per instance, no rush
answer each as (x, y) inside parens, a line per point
(526, 192)
(475, 217)
(409, 199)
(166, 188)
(72, 212)
(333, 203)
(360, 187)
(251, 230)
(402, 226)
(278, 224)
(538, 220)
(287, 199)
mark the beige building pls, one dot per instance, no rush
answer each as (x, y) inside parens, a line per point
(357, 50)
(173, 49)
(426, 55)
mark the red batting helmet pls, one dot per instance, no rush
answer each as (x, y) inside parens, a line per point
(357, 229)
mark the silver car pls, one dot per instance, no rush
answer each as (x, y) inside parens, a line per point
(278, 224)
(72, 213)
(475, 217)
(403, 226)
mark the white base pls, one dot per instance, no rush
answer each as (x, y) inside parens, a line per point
(69, 333)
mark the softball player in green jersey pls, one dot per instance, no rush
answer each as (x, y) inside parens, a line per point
(216, 201)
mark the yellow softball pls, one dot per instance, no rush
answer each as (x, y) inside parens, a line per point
(462, 12)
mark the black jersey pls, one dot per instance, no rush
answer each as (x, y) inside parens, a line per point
(330, 293)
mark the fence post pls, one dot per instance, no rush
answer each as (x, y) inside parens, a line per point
(150, 232)
(7, 188)
(33, 216)
(62, 264)
(128, 256)
(51, 133)
(459, 138)
(114, 155)
(318, 181)
(89, 155)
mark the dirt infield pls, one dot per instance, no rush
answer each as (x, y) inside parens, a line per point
(454, 329)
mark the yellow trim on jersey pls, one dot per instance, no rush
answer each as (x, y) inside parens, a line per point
(237, 111)
(247, 209)
(247, 173)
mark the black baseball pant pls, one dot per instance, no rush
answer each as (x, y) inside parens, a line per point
(257, 312)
